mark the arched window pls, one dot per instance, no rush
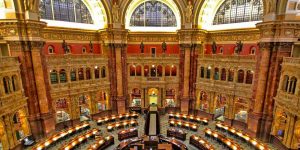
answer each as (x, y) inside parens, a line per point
(159, 70)
(173, 71)
(249, 77)
(88, 73)
(230, 75)
(216, 76)
(138, 70)
(153, 14)
(293, 84)
(73, 75)
(97, 73)
(65, 10)
(202, 72)
(167, 70)
(80, 74)
(132, 70)
(285, 84)
(252, 51)
(6, 85)
(103, 72)
(15, 85)
(236, 11)
(208, 72)
(83, 50)
(241, 76)
(62, 76)
(53, 77)
(223, 74)
(51, 49)
(146, 71)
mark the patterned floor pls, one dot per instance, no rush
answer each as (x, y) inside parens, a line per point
(164, 127)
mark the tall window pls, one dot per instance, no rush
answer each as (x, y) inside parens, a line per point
(97, 73)
(14, 80)
(103, 72)
(65, 10)
(153, 14)
(88, 73)
(53, 77)
(62, 76)
(235, 11)
(73, 75)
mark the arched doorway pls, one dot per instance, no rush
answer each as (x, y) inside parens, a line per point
(102, 99)
(241, 110)
(84, 107)
(62, 114)
(136, 98)
(280, 124)
(20, 125)
(3, 138)
(220, 104)
(170, 98)
(153, 96)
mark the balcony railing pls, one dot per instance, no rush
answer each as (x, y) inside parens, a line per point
(8, 61)
(153, 55)
(76, 59)
(222, 57)
(290, 101)
(79, 84)
(291, 61)
(172, 79)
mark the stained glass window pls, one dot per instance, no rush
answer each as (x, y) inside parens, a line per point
(236, 11)
(65, 10)
(153, 14)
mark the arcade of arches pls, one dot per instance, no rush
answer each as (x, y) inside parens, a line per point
(63, 62)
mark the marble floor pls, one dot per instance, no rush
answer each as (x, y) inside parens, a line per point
(164, 126)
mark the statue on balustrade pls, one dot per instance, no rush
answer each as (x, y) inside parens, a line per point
(214, 47)
(65, 46)
(189, 12)
(115, 12)
(239, 47)
(142, 47)
(91, 47)
(164, 47)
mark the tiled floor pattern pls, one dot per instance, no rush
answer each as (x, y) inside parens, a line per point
(164, 126)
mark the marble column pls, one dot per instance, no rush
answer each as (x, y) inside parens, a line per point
(186, 49)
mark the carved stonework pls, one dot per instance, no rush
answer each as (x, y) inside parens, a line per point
(243, 35)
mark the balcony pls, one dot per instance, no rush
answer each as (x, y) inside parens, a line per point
(220, 58)
(141, 79)
(291, 61)
(73, 59)
(8, 62)
(288, 101)
(147, 58)
(231, 88)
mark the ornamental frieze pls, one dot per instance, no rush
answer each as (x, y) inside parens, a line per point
(59, 34)
(148, 37)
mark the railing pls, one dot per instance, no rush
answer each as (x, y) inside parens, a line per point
(289, 99)
(291, 61)
(153, 55)
(76, 59)
(8, 61)
(83, 83)
(227, 57)
(153, 79)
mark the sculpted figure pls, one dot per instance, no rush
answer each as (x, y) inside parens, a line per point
(214, 47)
(188, 12)
(65, 46)
(164, 47)
(91, 47)
(115, 12)
(142, 47)
(239, 46)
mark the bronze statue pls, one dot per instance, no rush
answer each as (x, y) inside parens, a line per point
(164, 47)
(142, 47)
(214, 47)
(239, 47)
(91, 47)
(65, 46)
